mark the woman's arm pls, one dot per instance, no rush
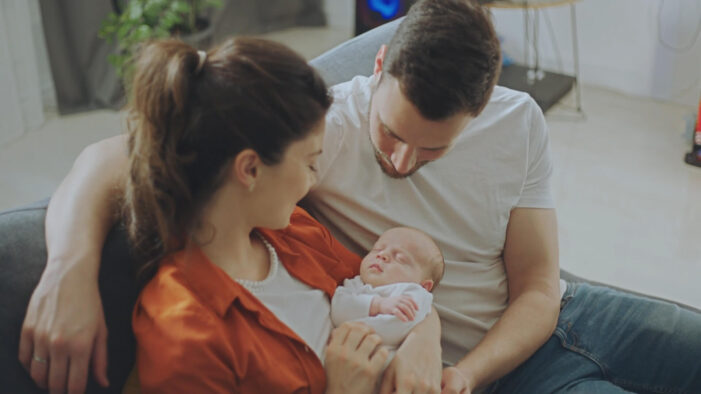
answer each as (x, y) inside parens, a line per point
(64, 323)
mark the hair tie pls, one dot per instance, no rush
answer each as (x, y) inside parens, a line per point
(203, 58)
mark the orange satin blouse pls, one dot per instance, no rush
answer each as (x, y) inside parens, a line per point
(200, 331)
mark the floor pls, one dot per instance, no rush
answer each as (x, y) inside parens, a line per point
(629, 209)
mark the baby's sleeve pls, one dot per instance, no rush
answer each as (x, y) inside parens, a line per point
(347, 305)
(389, 327)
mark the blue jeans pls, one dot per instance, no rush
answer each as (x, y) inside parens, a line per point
(608, 341)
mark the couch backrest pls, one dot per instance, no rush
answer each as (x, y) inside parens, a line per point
(355, 56)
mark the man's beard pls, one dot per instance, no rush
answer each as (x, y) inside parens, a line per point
(388, 168)
(382, 159)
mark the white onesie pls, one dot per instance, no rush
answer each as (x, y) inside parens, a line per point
(351, 302)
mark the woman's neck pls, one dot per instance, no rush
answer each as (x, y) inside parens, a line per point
(228, 240)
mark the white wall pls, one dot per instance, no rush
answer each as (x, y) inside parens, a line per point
(621, 45)
(341, 15)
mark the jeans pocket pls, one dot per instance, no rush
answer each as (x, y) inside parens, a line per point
(570, 292)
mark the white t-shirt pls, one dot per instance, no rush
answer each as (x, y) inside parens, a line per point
(351, 302)
(463, 200)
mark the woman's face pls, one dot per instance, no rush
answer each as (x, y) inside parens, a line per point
(281, 186)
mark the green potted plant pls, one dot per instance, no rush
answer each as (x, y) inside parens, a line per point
(143, 20)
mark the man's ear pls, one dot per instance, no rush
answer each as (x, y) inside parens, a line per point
(246, 168)
(380, 59)
(427, 284)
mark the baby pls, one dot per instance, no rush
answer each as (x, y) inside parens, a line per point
(392, 292)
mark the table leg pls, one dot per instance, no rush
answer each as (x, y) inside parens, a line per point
(575, 52)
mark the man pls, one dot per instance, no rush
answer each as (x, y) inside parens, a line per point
(429, 142)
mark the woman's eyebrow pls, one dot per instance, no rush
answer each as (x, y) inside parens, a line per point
(315, 153)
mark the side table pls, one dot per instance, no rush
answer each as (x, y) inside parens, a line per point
(546, 87)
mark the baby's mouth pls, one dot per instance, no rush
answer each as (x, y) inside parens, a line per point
(376, 266)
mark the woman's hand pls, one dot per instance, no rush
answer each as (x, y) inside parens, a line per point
(455, 382)
(354, 359)
(64, 330)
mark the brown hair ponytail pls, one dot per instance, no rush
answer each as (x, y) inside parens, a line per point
(187, 122)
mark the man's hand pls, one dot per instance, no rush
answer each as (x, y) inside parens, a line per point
(64, 330)
(455, 382)
(403, 307)
(416, 368)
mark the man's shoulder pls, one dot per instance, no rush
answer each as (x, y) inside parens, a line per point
(351, 99)
(503, 97)
(508, 111)
(357, 85)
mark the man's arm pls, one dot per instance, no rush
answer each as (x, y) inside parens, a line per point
(64, 322)
(416, 367)
(84, 207)
(532, 270)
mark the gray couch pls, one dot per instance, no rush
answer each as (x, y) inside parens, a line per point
(23, 252)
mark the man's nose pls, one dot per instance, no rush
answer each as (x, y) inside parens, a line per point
(403, 158)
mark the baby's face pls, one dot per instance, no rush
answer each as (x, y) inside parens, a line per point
(399, 255)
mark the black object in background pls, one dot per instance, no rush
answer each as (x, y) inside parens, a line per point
(372, 13)
(694, 157)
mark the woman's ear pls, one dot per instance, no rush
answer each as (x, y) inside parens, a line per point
(246, 168)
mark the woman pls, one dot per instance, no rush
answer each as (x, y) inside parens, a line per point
(222, 146)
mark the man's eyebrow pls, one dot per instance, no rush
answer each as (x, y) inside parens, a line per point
(398, 138)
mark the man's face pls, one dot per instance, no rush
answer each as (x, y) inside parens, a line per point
(403, 139)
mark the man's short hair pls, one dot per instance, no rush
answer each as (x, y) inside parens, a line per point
(446, 57)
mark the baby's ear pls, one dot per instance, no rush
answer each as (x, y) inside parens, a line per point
(427, 284)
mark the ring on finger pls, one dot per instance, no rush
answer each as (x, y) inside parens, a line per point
(39, 359)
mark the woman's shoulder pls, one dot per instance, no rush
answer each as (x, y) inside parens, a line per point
(168, 297)
(303, 227)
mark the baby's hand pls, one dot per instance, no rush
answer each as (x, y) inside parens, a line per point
(403, 307)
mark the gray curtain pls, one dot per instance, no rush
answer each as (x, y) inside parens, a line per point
(83, 78)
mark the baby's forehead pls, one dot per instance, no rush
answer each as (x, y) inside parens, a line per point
(413, 241)
(401, 235)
